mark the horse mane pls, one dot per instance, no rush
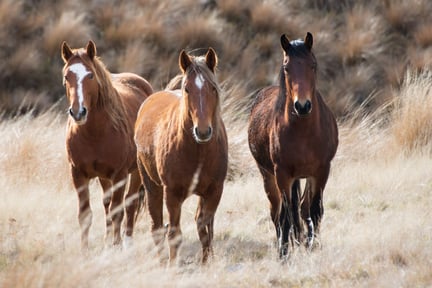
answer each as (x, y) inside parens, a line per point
(298, 49)
(108, 98)
(199, 66)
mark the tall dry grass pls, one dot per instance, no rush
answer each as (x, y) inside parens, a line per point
(375, 231)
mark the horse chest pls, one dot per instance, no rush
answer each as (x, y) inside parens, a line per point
(98, 157)
(297, 151)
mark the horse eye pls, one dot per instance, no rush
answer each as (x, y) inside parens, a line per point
(90, 76)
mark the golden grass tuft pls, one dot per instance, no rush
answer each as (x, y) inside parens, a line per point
(412, 115)
(360, 39)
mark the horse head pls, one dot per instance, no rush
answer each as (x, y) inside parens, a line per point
(201, 93)
(299, 68)
(79, 80)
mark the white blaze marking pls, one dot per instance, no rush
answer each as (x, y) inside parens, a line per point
(81, 72)
(199, 82)
(195, 179)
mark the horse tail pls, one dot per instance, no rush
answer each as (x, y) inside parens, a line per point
(175, 83)
(141, 202)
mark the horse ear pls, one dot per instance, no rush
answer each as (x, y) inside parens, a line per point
(211, 59)
(308, 40)
(91, 49)
(66, 52)
(285, 43)
(184, 61)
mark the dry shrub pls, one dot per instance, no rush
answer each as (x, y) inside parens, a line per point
(423, 34)
(411, 127)
(364, 37)
(132, 60)
(236, 11)
(269, 16)
(198, 31)
(70, 27)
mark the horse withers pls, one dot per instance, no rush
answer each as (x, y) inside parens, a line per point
(293, 135)
(99, 139)
(182, 150)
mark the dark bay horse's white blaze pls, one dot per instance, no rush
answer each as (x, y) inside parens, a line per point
(293, 135)
(182, 150)
(99, 139)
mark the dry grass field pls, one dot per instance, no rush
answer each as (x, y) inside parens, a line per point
(376, 230)
(375, 61)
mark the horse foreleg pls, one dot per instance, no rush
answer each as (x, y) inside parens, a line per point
(286, 215)
(116, 207)
(305, 212)
(132, 204)
(154, 197)
(204, 218)
(107, 195)
(297, 222)
(274, 198)
(84, 210)
(173, 204)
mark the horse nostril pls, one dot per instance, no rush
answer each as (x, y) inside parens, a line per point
(308, 106)
(71, 112)
(83, 112)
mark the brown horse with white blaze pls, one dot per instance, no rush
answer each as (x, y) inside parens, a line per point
(99, 139)
(292, 135)
(182, 150)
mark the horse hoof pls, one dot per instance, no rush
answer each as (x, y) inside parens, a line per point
(127, 242)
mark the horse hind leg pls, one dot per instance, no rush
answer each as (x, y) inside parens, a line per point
(204, 218)
(133, 202)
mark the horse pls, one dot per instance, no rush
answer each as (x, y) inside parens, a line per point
(99, 139)
(292, 135)
(182, 150)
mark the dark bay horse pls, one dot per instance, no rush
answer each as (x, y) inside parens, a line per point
(99, 140)
(182, 150)
(292, 135)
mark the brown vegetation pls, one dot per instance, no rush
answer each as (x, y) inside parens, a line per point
(361, 48)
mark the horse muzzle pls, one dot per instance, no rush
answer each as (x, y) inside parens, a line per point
(202, 136)
(79, 117)
(303, 109)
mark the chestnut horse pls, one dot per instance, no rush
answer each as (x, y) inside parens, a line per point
(99, 140)
(292, 135)
(182, 150)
